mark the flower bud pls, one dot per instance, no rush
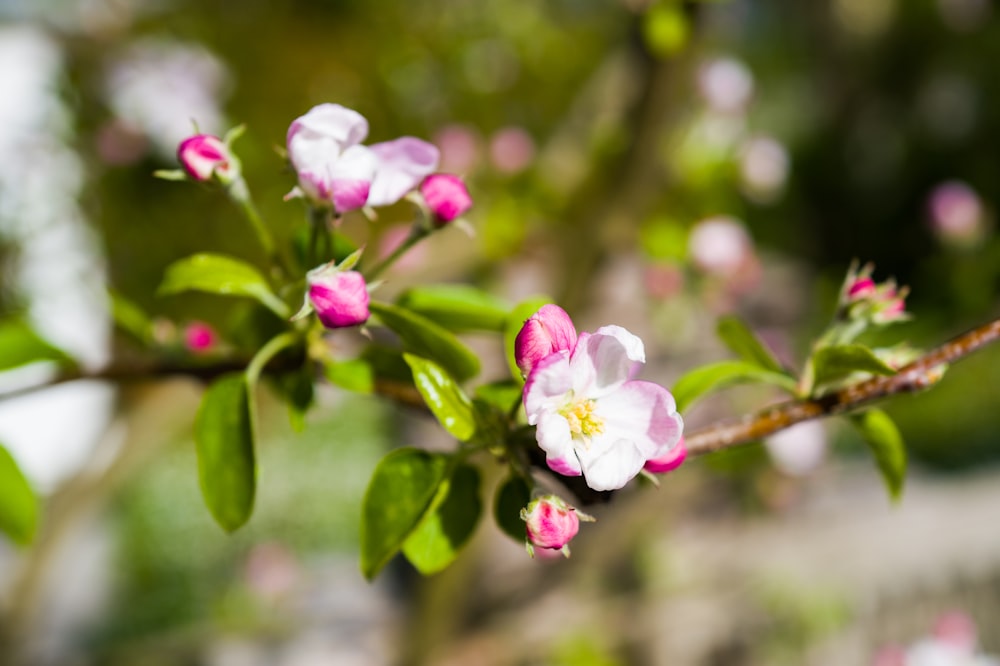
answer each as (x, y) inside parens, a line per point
(550, 523)
(204, 156)
(446, 197)
(861, 288)
(199, 337)
(668, 462)
(548, 331)
(340, 298)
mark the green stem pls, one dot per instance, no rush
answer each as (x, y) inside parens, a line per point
(240, 193)
(267, 352)
(417, 233)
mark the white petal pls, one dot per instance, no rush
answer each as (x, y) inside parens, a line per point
(610, 464)
(642, 413)
(346, 127)
(554, 438)
(403, 164)
(547, 385)
(607, 359)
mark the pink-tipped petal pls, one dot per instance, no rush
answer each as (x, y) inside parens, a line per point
(546, 332)
(403, 164)
(554, 438)
(669, 462)
(203, 155)
(339, 298)
(446, 196)
(547, 385)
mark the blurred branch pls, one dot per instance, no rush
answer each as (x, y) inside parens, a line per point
(918, 375)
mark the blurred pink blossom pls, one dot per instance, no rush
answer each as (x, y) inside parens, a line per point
(460, 147)
(512, 150)
(726, 84)
(199, 337)
(956, 212)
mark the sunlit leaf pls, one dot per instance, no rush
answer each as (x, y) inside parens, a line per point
(503, 395)
(447, 526)
(130, 317)
(444, 397)
(701, 381)
(515, 321)
(512, 496)
(400, 492)
(18, 504)
(354, 375)
(835, 363)
(19, 345)
(424, 338)
(741, 340)
(219, 274)
(886, 444)
(224, 440)
(457, 307)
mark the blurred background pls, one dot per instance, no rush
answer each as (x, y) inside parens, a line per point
(649, 164)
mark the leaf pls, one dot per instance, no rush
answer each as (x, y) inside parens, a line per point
(886, 444)
(354, 375)
(515, 321)
(503, 395)
(219, 274)
(18, 504)
(436, 541)
(424, 338)
(741, 340)
(446, 400)
(699, 382)
(297, 389)
(399, 493)
(457, 307)
(510, 498)
(838, 362)
(20, 345)
(224, 440)
(130, 317)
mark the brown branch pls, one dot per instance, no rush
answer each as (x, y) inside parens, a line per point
(920, 374)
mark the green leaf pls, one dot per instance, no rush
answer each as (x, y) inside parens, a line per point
(457, 307)
(219, 274)
(838, 362)
(886, 444)
(224, 440)
(400, 492)
(130, 318)
(699, 382)
(444, 397)
(18, 504)
(424, 338)
(354, 375)
(436, 541)
(741, 340)
(19, 345)
(502, 394)
(515, 321)
(297, 390)
(510, 498)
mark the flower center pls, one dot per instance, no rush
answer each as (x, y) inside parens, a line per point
(583, 422)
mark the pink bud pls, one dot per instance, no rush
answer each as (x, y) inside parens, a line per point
(340, 298)
(199, 337)
(203, 156)
(863, 287)
(551, 523)
(548, 331)
(446, 196)
(668, 462)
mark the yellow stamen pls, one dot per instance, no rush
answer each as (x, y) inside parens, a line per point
(583, 422)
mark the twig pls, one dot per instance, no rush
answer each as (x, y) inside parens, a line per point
(918, 375)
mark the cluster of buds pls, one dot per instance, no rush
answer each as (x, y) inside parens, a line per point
(862, 299)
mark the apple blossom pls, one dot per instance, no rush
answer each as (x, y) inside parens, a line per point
(592, 418)
(335, 169)
(204, 156)
(548, 331)
(446, 197)
(671, 461)
(550, 524)
(340, 298)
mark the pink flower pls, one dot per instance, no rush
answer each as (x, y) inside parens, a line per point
(668, 463)
(199, 337)
(550, 524)
(446, 196)
(340, 298)
(548, 331)
(863, 287)
(204, 156)
(333, 168)
(592, 418)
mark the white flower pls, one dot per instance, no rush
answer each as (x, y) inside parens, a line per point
(592, 418)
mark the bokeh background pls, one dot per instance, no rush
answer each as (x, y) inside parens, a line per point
(653, 165)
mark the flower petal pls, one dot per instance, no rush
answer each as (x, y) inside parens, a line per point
(643, 413)
(547, 385)
(554, 438)
(605, 360)
(608, 464)
(403, 163)
(333, 122)
(351, 178)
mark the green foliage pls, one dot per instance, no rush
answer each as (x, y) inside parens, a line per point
(444, 397)
(130, 318)
(741, 340)
(708, 378)
(886, 444)
(504, 394)
(20, 345)
(447, 524)
(18, 504)
(401, 491)
(354, 375)
(457, 307)
(219, 274)
(838, 362)
(224, 438)
(512, 496)
(424, 338)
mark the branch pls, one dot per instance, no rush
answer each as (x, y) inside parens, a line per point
(918, 375)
